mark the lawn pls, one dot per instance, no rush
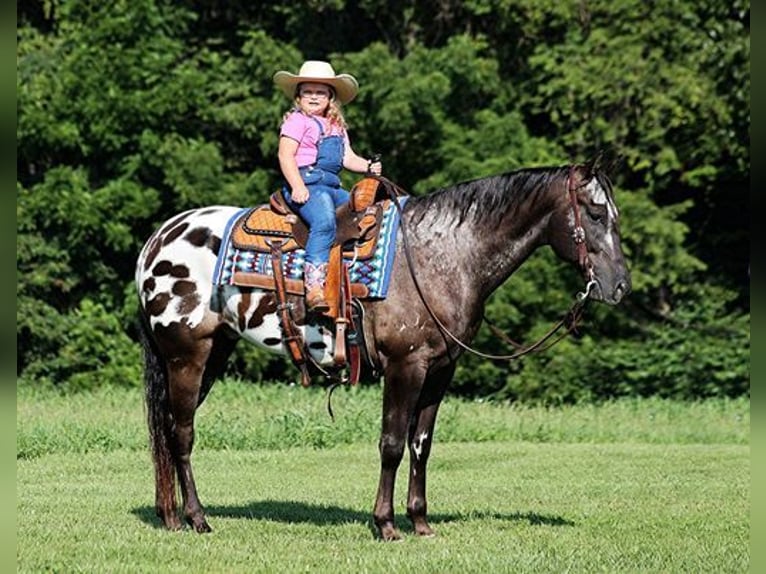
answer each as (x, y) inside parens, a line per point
(631, 486)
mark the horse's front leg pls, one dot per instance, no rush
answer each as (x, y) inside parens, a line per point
(421, 438)
(400, 393)
(420, 448)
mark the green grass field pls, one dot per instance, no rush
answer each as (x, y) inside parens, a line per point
(630, 486)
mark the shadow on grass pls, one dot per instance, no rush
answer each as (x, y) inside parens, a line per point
(288, 511)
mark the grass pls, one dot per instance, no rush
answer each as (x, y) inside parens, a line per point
(632, 486)
(239, 416)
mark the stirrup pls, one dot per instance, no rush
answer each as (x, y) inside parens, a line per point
(316, 302)
(318, 306)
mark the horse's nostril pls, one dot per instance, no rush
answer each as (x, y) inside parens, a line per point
(622, 289)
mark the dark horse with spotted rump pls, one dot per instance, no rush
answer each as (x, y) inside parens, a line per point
(463, 242)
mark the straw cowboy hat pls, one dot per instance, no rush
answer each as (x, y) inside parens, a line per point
(345, 86)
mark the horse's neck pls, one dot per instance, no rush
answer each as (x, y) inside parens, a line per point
(499, 251)
(483, 254)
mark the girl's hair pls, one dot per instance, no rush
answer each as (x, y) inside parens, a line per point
(333, 113)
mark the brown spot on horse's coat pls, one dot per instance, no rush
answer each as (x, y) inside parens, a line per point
(242, 307)
(174, 233)
(162, 268)
(149, 285)
(272, 341)
(157, 305)
(154, 249)
(214, 243)
(198, 236)
(188, 304)
(179, 271)
(266, 306)
(184, 288)
(317, 345)
(204, 237)
(173, 222)
(165, 267)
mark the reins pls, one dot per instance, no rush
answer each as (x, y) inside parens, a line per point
(569, 320)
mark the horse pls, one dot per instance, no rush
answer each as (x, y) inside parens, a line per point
(457, 245)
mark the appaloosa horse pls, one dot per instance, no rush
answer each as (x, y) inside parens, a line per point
(463, 242)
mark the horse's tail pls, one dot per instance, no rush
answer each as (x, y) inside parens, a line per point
(158, 418)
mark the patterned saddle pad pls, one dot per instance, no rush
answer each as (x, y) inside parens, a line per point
(246, 261)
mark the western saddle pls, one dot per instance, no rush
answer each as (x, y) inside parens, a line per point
(275, 229)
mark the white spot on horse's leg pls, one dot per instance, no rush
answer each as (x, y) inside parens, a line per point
(417, 445)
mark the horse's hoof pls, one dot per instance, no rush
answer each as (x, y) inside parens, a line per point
(170, 520)
(199, 525)
(389, 533)
(425, 531)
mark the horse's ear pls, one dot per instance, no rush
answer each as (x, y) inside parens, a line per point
(593, 165)
(605, 161)
(613, 164)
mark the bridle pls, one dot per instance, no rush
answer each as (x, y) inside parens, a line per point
(569, 320)
(578, 234)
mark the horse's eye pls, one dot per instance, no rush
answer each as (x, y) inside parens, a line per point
(596, 215)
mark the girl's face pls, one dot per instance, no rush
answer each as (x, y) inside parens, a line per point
(314, 98)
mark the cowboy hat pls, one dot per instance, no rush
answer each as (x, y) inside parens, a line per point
(345, 86)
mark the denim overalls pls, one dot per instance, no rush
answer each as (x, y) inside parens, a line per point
(325, 195)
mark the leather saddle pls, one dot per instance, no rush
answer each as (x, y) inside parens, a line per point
(357, 232)
(358, 223)
(276, 229)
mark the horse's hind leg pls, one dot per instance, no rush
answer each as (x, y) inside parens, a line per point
(160, 427)
(185, 383)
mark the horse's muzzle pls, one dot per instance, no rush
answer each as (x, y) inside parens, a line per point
(611, 296)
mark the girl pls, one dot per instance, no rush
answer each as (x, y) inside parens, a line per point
(313, 148)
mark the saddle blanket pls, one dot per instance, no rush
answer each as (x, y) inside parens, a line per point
(374, 273)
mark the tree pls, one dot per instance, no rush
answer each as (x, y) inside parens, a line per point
(132, 111)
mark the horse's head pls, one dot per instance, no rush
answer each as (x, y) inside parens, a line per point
(586, 231)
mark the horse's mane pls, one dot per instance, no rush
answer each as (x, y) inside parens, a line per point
(485, 200)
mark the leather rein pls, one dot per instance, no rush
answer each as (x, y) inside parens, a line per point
(569, 320)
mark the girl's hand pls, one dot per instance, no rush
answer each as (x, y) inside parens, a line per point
(375, 167)
(300, 194)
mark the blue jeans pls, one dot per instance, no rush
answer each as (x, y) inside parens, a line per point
(319, 214)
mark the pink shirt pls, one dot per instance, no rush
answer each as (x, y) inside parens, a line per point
(303, 129)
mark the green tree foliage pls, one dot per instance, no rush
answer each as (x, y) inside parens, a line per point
(129, 112)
